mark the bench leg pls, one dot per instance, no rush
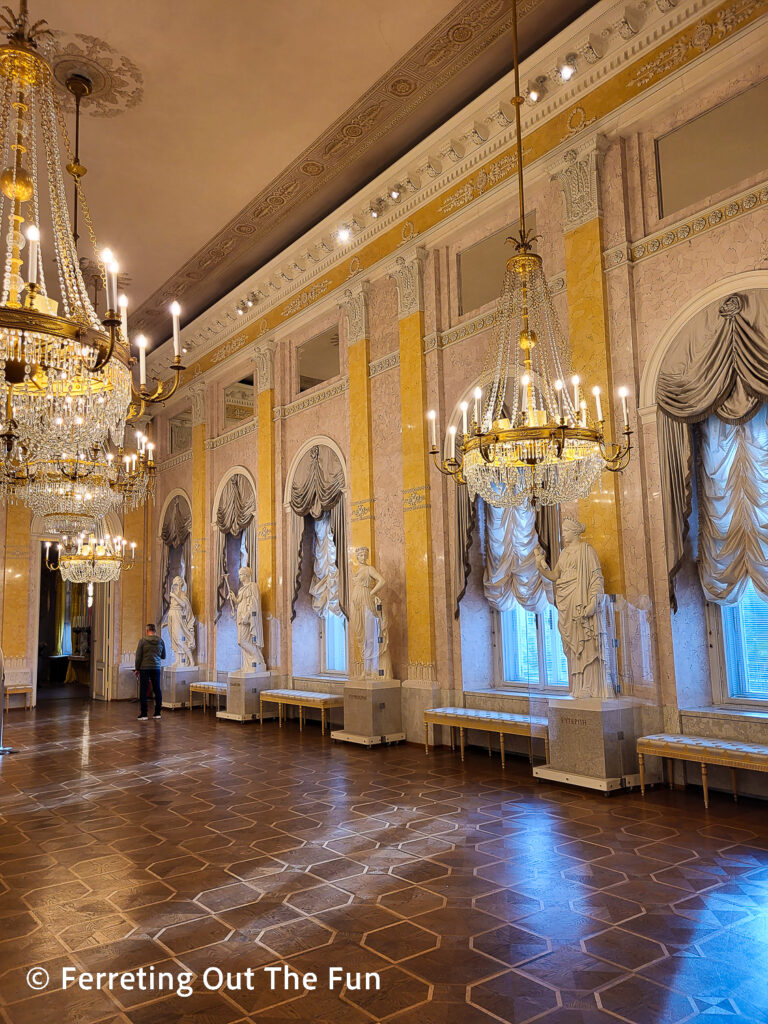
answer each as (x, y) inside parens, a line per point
(704, 785)
(641, 766)
(322, 721)
(670, 768)
(501, 745)
(734, 786)
(453, 738)
(301, 718)
(426, 738)
(280, 715)
(461, 741)
(261, 711)
(489, 745)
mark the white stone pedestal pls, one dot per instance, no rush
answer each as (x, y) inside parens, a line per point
(243, 689)
(592, 742)
(372, 712)
(176, 682)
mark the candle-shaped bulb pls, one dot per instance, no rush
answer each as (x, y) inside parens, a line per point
(583, 409)
(122, 302)
(478, 402)
(623, 395)
(432, 417)
(112, 272)
(175, 314)
(464, 406)
(452, 442)
(33, 234)
(141, 341)
(575, 382)
(598, 403)
(107, 257)
(525, 380)
(151, 450)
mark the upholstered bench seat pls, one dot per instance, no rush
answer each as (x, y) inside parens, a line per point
(208, 688)
(301, 699)
(702, 750)
(505, 723)
(12, 688)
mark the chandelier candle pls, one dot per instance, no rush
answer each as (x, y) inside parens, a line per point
(141, 341)
(122, 302)
(33, 237)
(598, 405)
(175, 314)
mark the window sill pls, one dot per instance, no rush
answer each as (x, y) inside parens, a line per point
(727, 713)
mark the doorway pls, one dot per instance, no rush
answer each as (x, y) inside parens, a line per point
(64, 645)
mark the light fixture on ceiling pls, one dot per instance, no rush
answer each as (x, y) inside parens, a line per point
(536, 89)
(567, 68)
(394, 192)
(530, 438)
(91, 558)
(343, 235)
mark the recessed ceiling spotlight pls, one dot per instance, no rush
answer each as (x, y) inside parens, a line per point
(343, 235)
(536, 89)
(250, 302)
(568, 67)
(394, 192)
(239, 311)
(374, 212)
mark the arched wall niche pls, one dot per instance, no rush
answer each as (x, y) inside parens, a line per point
(233, 550)
(175, 536)
(305, 624)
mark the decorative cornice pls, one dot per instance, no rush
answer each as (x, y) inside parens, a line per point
(354, 306)
(578, 173)
(174, 461)
(686, 229)
(388, 362)
(231, 435)
(408, 275)
(336, 389)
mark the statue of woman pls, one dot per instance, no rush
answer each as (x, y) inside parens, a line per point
(578, 586)
(368, 618)
(181, 623)
(250, 629)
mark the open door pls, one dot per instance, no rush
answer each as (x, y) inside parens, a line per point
(103, 659)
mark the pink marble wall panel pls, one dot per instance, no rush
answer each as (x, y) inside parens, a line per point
(383, 318)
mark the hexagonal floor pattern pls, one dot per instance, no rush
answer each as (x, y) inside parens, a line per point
(476, 895)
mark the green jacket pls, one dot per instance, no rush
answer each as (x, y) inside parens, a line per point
(150, 653)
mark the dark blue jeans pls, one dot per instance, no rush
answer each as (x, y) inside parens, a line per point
(149, 682)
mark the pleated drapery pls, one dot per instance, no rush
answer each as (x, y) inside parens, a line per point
(717, 366)
(317, 489)
(235, 517)
(324, 588)
(176, 533)
(511, 574)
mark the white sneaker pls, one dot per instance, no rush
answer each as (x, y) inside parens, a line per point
(157, 716)
(142, 718)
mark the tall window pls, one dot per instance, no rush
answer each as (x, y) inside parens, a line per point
(333, 643)
(745, 646)
(531, 649)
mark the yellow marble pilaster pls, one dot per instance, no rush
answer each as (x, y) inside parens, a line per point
(355, 308)
(419, 586)
(590, 342)
(265, 481)
(134, 582)
(17, 582)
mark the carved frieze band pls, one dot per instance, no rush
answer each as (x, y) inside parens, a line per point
(423, 671)
(408, 275)
(266, 531)
(578, 173)
(312, 400)
(416, 498)
(174, 461)
(362, 510)
(354, 306)
(231, 435)
(684, 230)
(388, 362)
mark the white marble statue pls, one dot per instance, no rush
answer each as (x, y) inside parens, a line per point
(368, 618)
(181, 624)
(579, 590)
(246, 607)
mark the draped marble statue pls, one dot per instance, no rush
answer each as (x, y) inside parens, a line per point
(579, 591)
(246, 607)
(181, 623)
(324, 589)
(176, 550)
(368, 619)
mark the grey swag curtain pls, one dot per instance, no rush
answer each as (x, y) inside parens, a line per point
(717, 366)
(175, 533)
(235, 516)
(318, 488)
(522, 527)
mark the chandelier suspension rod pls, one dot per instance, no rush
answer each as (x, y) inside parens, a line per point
(518, 101)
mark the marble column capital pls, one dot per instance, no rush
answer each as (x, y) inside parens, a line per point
(408, 274)
(577, 170)
(263, 356)
(197, 392)
(355, 308)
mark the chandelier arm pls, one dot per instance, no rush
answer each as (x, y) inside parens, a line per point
(159, 395)
(112, 324)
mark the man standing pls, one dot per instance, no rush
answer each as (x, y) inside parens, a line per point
(148, 665)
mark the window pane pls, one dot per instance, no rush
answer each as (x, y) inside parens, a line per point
(557, 666)
(335, 643)
(520, 659)
(745, 635)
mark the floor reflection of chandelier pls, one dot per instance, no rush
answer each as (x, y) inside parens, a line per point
(530, 436)
(90, 558)
(66, 378)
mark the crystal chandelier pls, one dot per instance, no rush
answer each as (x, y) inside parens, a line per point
(531, 436)
(73, 494)
(90, 558)
(66, 377)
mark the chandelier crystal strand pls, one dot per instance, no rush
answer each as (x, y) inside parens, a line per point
(535, 439)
